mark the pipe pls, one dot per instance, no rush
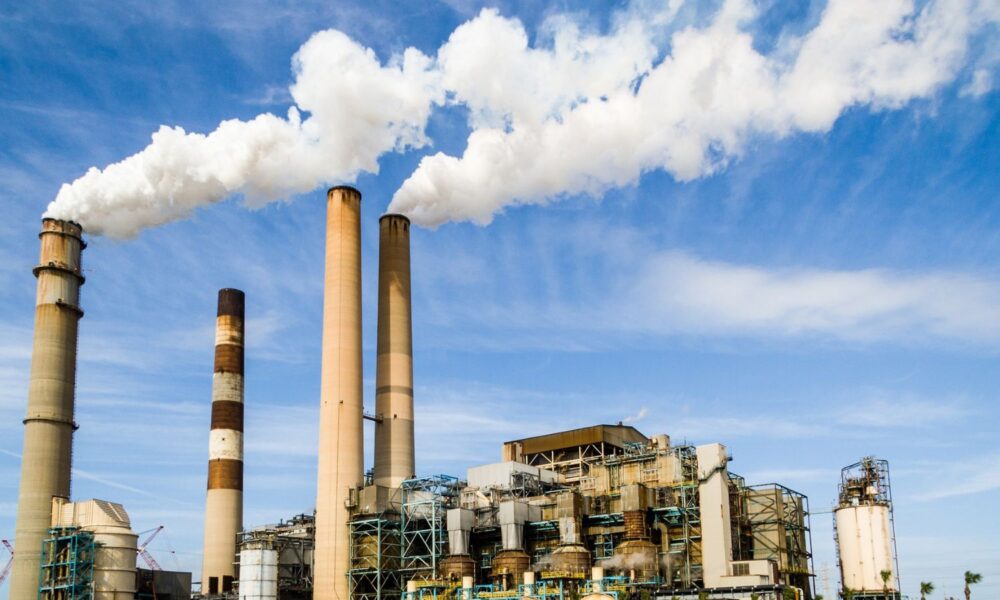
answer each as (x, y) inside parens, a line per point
(224, 499)
(341, 445)
(48, 426)
(394, 461)
(665, 550)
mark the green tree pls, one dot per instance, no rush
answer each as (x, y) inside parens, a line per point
(886, 575)
(926, 587)
(971, 579)
(819, 597)
(848, 593)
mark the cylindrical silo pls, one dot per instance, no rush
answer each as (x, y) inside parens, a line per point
(341, 451)
(48, 425)
(394, 460)
(866, 547)
(864, 541)
(224, 498)
(258, 572)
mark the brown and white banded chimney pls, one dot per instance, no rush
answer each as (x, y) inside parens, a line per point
(224, 500)
(48, 426)
(341, 440)
(394, 460)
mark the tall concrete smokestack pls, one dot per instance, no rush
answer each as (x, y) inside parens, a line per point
(224, 501)
(394, 369)
(341, 443)
(48, 426)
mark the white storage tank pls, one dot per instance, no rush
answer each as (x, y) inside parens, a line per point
(114, 559)
(258, 572)
(865, 545)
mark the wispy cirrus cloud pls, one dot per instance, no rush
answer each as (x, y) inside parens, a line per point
(557, 290)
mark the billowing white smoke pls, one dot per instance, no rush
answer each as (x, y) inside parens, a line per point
(358, 110)
(578, 113)
(689, 114)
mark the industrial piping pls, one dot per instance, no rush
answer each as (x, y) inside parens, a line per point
(394, 461)
(48, 426)
(341, 450)
(224, 499)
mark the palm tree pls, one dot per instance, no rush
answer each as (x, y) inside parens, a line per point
(886, 575)
(926, 587)
(970, 579)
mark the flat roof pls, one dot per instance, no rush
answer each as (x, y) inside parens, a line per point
(615, 435)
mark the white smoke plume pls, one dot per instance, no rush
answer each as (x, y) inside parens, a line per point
(358, 110)
(578, 112)
(688, 114)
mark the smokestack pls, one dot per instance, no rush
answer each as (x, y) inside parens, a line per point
(224, 500)
(394, 461)
(341, 451)
(48, 426)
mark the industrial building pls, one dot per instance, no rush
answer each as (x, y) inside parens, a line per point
(558, 506)
(605, 511)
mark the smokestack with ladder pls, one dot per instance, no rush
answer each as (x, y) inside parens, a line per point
(341, 443)
(224, 500)
(48, 426)
(394, 461)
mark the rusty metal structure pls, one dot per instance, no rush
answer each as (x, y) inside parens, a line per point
(341, 444)
(224, 499)
(49, 425)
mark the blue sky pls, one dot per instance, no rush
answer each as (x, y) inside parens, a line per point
(810, 295)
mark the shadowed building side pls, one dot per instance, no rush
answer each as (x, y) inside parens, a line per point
(224, 499)
(48, 426)
(394, 461)
(341, 451)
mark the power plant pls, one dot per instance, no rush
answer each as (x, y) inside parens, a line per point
(603, 512)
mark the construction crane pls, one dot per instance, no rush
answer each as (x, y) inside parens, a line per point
(146, 556)
(6, 568)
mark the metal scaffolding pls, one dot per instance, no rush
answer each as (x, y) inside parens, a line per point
(780, 528)
(375, 557)
(67, 571)
(423, 527)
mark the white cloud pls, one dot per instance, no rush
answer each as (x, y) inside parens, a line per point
(966, 476)
(680, 293)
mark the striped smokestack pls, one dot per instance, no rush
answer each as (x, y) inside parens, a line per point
(48, 426)
(224, 501)
(394, 370)
(341, 450)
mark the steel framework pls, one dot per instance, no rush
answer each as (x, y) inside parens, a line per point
(67, 571)
(375, 557)
(423, 529)
(781, 531)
